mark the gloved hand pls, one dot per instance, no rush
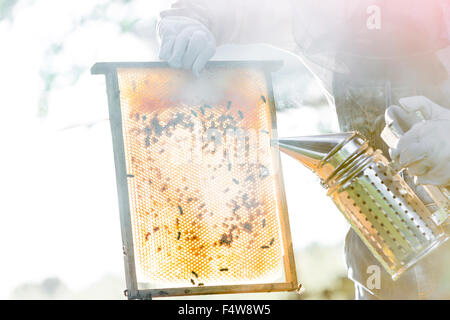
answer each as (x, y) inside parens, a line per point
(185, 43)
(425, 148)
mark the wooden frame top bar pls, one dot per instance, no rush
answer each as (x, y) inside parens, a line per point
(267, 65)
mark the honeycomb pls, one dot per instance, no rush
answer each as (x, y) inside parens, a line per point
(201, 177)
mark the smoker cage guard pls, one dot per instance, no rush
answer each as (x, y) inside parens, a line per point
(119, 126)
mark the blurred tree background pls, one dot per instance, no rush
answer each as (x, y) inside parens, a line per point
(57, 112)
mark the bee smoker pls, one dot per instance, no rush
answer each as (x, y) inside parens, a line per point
(384, 211)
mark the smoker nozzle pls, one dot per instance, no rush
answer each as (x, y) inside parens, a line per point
(322, 153)
(311, 150)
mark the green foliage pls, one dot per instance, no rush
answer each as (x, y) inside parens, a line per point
(128, 25)
(52, 78)
(6, 8)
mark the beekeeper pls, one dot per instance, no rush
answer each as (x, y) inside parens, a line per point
(371, 56)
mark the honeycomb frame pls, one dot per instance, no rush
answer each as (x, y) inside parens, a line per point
(206, 262)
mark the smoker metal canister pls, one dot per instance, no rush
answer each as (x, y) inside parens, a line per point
(383, 210)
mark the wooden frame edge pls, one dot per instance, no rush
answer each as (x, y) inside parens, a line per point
(289, 259)
(226, 289)
(115, 116)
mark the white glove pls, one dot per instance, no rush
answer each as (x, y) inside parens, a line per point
(425, 148)
(185, 43)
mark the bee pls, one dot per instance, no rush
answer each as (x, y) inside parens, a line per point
(263, 99)
(224, 269)
(264, 247)
(263, 172)
(179, 235)
(250, 178)
(180, 209)
(194, 273)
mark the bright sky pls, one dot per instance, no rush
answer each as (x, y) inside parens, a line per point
(59, 213)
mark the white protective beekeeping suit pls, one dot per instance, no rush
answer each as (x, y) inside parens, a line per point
(315, 30)
(353, 47)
